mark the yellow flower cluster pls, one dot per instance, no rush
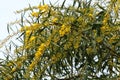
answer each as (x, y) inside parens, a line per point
(32, 38)
(13, 69)
(90, 15)
(28, 30)
(32, 65)
(113, 39)
(43, 8)
(38, 54)
(105, 21)
(104, 29)
(24, 28)
(35, 26)
(29, 43)
(35, 14)
(40, 51)
(55, 20)
(64, 30)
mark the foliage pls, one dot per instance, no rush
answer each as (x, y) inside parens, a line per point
(76, 42)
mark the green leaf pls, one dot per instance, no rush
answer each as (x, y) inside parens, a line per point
(63, 4)
(8, 28)
(101, 7)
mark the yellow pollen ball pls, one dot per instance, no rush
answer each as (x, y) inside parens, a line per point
(28, 32)
(35, 14)
(43, 8)
(55, 20)
(32, 38)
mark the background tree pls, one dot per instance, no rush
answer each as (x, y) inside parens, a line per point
(76, 42)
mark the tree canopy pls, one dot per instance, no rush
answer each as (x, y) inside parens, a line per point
(79, 41)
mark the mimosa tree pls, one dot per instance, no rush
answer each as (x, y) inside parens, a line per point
(80, 41)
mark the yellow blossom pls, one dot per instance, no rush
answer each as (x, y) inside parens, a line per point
(55, 20)
(35, 26)
(43, 8)
(13, 69)
(104, 28)
(113, 39)
(28, 32)
(43, 45)
(19, 64)
(47, 43)
(32, 65)
(32, 38)
(71, 19)
(90, 15)
(67, 29)
(105, 21)
(35, 14)
(40, 51)
(24, 28)
(64, 30)
(38, 54)
(46, 24)
(9, 64)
